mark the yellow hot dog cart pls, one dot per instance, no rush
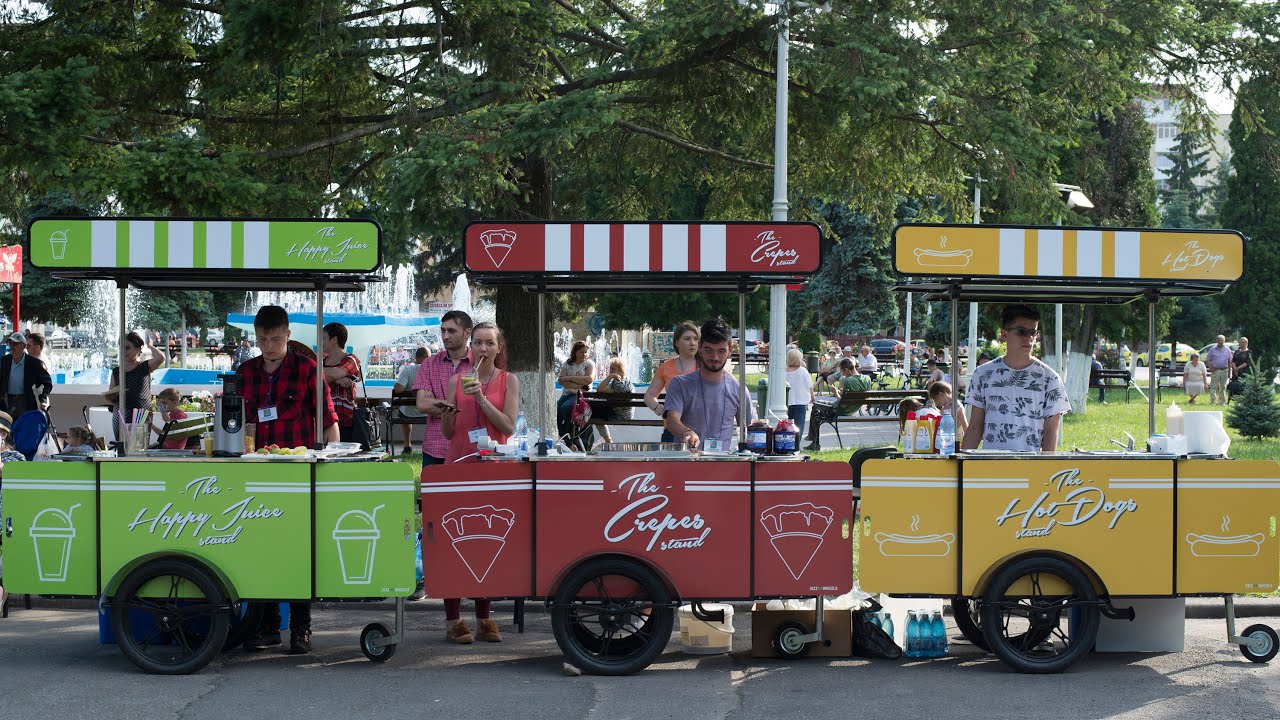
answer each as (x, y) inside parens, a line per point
(1034, 548)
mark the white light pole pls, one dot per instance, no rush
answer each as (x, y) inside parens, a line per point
(1073, 198)
(777, 399)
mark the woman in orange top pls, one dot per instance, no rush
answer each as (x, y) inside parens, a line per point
(486, 403)
(686, 361)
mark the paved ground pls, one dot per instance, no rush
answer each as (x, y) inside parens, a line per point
(52, 666)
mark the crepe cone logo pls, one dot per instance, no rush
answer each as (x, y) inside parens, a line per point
(796, 531)
(478, 535)
(498, 243)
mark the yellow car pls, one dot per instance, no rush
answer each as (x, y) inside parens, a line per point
(1162, 354)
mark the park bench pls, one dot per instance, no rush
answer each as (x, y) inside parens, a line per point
(401, 400)
(1117, 379)
(871, 406)
(602, 401)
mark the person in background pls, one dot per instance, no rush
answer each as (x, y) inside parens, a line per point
(828, 370)
(800, 394)
(702, 407)
(1218, 358)
(243, 353)
(1194, 378)
(577, 374)
(1242, 360)
(137, 379)
(685, 340)
(169, 408)
(485, 405)
(1095, 367)
(342, 372)
(24, 378)
(80, 438)
(850, 381)
(867, 363)
(1016, 402)
(279, 391)
(431, 385)
(404, 388)
(615, 382)
(35, 346)
(942, 397)
(909, 405)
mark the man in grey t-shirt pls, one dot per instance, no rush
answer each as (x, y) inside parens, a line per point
(1016, 402)
(701, 406)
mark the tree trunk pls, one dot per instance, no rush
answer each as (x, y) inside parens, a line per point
(1080, 358)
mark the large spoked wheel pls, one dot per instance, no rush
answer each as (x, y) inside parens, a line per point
(612, 616)
(372, 632)
(965, 612)
(1263, 643)
(170, 617)
(1040, 614)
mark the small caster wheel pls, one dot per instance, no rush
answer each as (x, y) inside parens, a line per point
(376, 631)
(787, 642)
(1263, 643)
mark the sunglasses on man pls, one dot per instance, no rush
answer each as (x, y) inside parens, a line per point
(1022, 331)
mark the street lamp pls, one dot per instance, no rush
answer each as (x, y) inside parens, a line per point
(1073, 198)
(777, 400)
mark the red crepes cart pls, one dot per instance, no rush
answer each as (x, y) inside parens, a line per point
(615, 542)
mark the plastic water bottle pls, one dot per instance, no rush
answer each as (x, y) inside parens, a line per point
(913, 637)
(947, 434)
(939, 632)
(875, 619)
(521, 436)
(886, 624)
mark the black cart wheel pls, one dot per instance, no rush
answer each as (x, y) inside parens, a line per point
(1027, 621)
(170, 617)
(965, 612)
(612, 616)
(376, 631)
(244, 622)
(787, 642)
(1263, 643)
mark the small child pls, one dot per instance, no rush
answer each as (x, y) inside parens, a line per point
(169, 405)
(909, 405)
(941, 395)
(80, 438)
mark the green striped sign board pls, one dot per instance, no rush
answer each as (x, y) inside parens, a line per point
(321, 246)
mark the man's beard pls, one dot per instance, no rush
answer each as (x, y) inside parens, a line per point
(710, 367)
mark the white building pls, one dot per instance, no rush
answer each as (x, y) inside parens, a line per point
(1162, 114)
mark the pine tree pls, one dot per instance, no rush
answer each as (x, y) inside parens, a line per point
(1190, 162)
(1254, 412)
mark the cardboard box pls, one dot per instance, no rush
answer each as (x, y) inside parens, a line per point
(837, 631)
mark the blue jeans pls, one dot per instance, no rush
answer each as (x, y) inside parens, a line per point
(798, 413)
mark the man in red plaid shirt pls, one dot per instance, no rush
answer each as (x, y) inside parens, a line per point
(279, 391)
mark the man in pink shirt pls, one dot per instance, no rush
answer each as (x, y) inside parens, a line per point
(432, 382)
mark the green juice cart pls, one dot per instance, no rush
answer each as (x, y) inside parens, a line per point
(173, 547)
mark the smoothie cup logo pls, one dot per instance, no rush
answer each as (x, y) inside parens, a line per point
(356, 534)
(58, 243)
(52, 533)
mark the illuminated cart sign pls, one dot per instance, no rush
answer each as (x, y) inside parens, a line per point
(606, 249)
(142, 244)
(992, 251)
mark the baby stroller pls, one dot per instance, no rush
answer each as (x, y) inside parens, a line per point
(31, 430)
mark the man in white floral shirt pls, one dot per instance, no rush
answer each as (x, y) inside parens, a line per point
(1017, 401)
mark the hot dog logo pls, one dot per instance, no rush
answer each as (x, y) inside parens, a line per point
(1079, 504)
(942, 257)
(796, 532)
(478, 534)
(497, 244)
(914, 545)
(1203, 545)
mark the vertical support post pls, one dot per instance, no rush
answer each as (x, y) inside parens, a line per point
(17, 306)
(542, 367)
(1152, 373)
(122, 397)
(743, 398)
(955, 339)
(319, 443)
(778, 293)
(906, 332)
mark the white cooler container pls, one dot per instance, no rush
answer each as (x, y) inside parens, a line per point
(704, 638)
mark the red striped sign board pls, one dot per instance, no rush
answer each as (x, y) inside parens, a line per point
(732, 248)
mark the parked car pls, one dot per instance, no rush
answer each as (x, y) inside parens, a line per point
(57, 340)
(887, 346)
(1162, 355)
(1233, 345)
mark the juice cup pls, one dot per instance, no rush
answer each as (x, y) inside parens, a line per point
(249, 438)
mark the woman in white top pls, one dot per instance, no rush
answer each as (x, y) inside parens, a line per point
(1194, 377)
(800, 394)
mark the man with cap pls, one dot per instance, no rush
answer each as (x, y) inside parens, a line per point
(24, 381)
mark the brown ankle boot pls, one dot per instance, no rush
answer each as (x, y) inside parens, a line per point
(459, 632)
(487, 630)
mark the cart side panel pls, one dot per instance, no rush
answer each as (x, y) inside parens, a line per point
(251, 520)
(1115, 516)
(364, 529)
(477, 529)
(1226, 538)
(690, 520)
(909, 533)
(803, 521)
(50, 526)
